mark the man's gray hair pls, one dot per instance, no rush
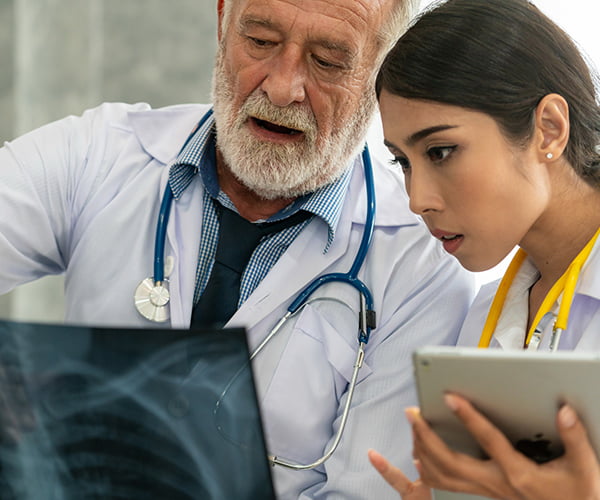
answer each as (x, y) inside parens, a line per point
(401, 13)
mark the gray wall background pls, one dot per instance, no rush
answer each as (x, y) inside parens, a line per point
(60, 57)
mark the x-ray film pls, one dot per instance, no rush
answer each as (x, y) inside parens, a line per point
(92, 413)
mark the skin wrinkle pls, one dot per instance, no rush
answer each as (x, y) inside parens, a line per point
(384, 36)
(356, 21)
(342, 45)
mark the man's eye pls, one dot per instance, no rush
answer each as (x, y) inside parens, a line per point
(259, 42)
(325, 64)
(440, 153)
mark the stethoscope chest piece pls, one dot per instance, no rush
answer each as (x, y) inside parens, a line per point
(152, 300)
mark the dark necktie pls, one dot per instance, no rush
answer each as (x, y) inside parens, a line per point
(237, 240)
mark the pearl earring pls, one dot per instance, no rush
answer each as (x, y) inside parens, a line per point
(549, 156)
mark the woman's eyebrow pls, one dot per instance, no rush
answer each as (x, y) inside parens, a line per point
(421, 134)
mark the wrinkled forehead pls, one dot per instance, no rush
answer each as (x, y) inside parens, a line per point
(357, 21)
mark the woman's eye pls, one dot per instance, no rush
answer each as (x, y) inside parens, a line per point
(440, 153)
(402, 162)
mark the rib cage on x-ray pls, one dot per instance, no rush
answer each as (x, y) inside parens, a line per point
(125, 414)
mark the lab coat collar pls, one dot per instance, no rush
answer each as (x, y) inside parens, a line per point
(589, 278)
(162, 132)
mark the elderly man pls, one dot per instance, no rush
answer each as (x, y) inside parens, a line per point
(293, 99)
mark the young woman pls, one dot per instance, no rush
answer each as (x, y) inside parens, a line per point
(491, 112)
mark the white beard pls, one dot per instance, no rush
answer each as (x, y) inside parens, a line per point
(282, 171)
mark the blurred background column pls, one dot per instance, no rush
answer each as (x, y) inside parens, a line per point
(60, 57)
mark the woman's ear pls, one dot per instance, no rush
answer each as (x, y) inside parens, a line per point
(552, 126)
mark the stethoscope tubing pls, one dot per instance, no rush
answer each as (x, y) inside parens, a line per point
(365, 323)
(566, 285)
(351, 277)
(163, 217)
(161, 235)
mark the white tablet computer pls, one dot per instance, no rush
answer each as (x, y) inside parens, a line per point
(519, 391)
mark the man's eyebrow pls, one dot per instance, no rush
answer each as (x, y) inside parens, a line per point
(334, 46)
(331, 45)
(421, 134)
(251, 21)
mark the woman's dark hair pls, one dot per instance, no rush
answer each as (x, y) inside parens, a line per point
(499, 57)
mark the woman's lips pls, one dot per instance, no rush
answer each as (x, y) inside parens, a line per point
(450, 241)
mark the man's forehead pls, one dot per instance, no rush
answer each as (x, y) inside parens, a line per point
(357, 13)
(343, 25)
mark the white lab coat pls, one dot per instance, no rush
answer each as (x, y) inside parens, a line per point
(81, 196)
(584, 319)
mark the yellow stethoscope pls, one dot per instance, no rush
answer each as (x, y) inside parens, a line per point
(565, 285)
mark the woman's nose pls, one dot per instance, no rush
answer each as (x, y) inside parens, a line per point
(423, 192)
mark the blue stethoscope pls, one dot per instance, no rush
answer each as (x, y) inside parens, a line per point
(152, 295)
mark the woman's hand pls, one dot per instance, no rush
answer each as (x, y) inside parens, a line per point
(507, 474)
(396, 479)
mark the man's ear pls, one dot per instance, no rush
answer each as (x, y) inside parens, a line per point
(220, 6)
(552, 126)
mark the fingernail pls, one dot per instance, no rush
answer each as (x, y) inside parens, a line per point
(567, 416)
(451, 402)
(411, 415)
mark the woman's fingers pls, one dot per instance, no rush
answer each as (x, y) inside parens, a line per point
(493, 442)
(507, 473)
(408, 489)
(446, 469)
(394, 476)
(575, 439)
(438, 465)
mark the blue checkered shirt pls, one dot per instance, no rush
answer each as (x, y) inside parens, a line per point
(199, 156)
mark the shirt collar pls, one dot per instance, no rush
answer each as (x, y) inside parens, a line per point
(195, 152)
(199, 155)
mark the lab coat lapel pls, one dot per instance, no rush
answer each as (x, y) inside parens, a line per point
(303, 261)
(183, 243)
(162, 133)
(285, 281)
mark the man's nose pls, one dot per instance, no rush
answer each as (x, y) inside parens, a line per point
(286, 78)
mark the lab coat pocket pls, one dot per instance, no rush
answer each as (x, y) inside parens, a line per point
(313, 373)
(339, 343)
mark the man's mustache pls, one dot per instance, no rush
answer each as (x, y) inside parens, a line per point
(297, 117)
